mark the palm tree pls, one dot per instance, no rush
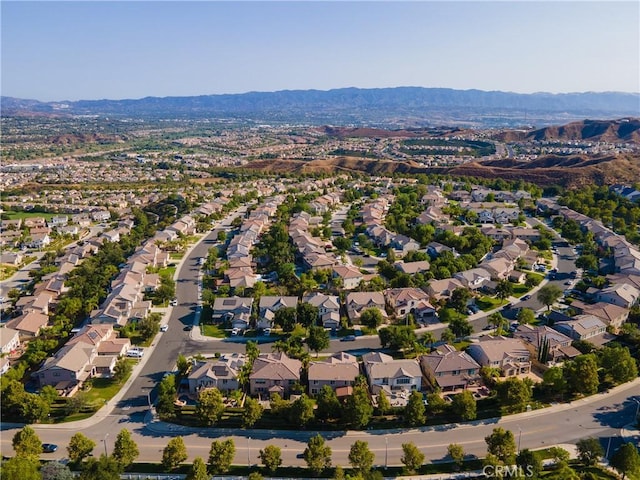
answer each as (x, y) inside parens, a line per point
(428, 338)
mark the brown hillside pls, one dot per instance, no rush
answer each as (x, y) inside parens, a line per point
(623, 130)
(344, 132)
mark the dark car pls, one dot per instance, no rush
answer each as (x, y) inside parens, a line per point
(525, 298)
(49, 447)
(348, 338)
(188, 328)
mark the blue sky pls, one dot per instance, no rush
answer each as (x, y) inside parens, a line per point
(91, 50)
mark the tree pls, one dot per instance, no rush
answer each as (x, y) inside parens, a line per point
(251, 351)
(626, 460)
(502, 445)
(301, 411)
(358, 409)
(221, 456)
(80, 446)
(174, 454)
(198, 470)
(497, 320)
(589, 451)
(104, 468)
(456, 452)
(504, 289)
(371, 317)
(307, 314)
(384, 406)
(514, 394)
(549, 294)
(412, 458)
(460, 327)
(328, 405)
(286, 318)
(397, 337)
(464, 406)
(54, 471)
(125, 449)
(166, 396)
(526, 316)
(559, 455)
(553, 381)
(183, 365)
(318, 339)
(210, 406)
(414, 412)
(447, 335)
(26, 443)
(122, 369)
(618, 364)
(255, 476)
(251, 413)
(20, 468)
(529, 462)
(582, 375)
(459, 299)
(360, 457)
(271, 458)
(34, 408)
(317, 455)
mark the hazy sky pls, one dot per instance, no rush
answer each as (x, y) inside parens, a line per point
(92, 50)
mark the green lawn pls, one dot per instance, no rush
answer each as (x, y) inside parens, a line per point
(519, 290)
(15, 215)
(489, 303)
(213, 331)
(176, 255)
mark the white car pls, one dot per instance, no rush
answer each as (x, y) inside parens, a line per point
(135, 352)
(164, 328)
(173, 302)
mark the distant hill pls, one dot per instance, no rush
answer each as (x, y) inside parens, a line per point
(620, 130)
(403, 107)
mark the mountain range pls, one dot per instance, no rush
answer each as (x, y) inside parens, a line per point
(388, 107)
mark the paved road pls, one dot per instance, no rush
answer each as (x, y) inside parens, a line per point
(601, 416)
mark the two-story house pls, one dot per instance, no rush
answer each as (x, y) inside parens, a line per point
(510, 355)
(221, 373)
(385, 373)
(339, 370)
(269, 305)
(449, 369)
(274, 373)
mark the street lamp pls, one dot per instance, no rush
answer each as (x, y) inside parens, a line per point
(637, 408)
(386, 451)
(248, 453)
(519, 437)
(104, 440)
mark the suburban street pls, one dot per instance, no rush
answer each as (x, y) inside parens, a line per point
(601, 416)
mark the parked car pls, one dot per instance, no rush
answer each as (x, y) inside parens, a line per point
(266, 331)
(173, 302)
(49, 447)
(348, 338)
(135, 352)
(525, 298)
(164, 328)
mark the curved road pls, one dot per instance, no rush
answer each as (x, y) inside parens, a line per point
(598, 416)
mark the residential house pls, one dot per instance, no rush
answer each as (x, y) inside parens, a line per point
(473, 279)
(12, 259)
(499, 268)
(235, 310)
(68, 368)
(442, 289)
(274, 373)
(221, 373)
(339, 370)
(269, 305)
(39, 240)
(385, 373)
(613, 315)
(582, 327)
(409, 300)
(413, 267)
(357, 302)
(328, 308)
(350, 276)
(510, 355)
(29, 324)
(621, 294)
(449, 369)
(9, 340)
(557, 344)
(403, 244)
